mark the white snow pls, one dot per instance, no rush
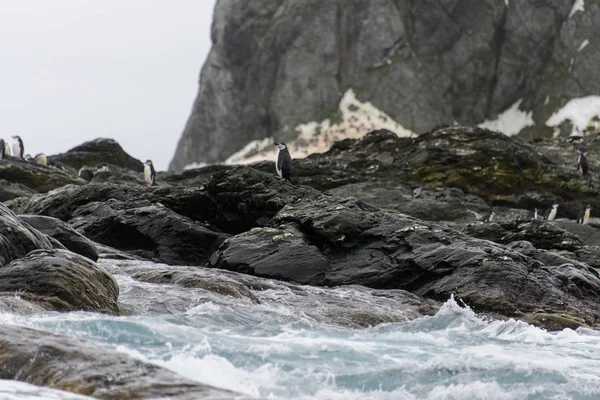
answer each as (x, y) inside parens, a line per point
(579, 111)
(357, 119)
(579, 5)
(511, 121)
(582, 45)
(195, 165)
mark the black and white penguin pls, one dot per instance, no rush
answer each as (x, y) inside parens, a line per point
(149, 173)
(41, 159)
(533, 214)
(582, 162)
(102, 167)
(6, 149)
(86, 174)
(584, 216)
(28, 158)
(489, 216)
(283, 165)
(18, 147)
(2, 147)
(550, 213)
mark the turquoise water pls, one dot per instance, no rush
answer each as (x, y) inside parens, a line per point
(278, 351)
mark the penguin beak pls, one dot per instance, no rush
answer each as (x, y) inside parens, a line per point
(275, 144)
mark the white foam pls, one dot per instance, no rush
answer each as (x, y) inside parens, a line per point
(579, 5)
(579, 111)
(511, 121)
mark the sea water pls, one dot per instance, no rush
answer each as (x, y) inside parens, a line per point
(273, 350)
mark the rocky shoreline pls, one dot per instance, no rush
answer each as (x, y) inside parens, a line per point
(387, 213)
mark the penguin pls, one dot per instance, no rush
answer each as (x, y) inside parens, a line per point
(18, 147)
(283, 165)
(550, 213)
(2, 147)
(86, 174)
(584, 216)
(583, 164)
(41, 159)
(27, 158)
(533, 214)
(149, 173)
(6, 149)
(489, 216)
(102, 167)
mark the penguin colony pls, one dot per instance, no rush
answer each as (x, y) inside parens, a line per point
(17, 151)
(283, 167)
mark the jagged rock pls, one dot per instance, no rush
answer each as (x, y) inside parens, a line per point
(467, 61)
(21, 178)
(63, 233)
(149, 230)
(62, 281)
(63, 363)
(356, 243)
(97, 152)
(18, 239)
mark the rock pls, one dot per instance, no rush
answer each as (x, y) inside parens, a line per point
(356, 243)
(269, 54)
(97, 152)
(21, 178)
(62, 281)
(63, 363)
(273, 253)
(148, 230)
(18, 239)
(62, 232)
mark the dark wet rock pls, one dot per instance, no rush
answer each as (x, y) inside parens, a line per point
(63, 363)
(274, 253)
(62, 281)
(21, 178)
(17, 239)
(541, 234)
(61, 231)
(466, 61)
(96, 152)
(382, 249)
(149, 230)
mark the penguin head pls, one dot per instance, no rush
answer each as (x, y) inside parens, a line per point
(39, 155)
(588, 207)
(17, 137)
(148, 162)
(281, 146)
(555, 206)
(102, 167)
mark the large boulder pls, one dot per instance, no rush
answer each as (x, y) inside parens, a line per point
(63, 363)
(63, 233)
(95, 152)
(61, 280)
(424, 63)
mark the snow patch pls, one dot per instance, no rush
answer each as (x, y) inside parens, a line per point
(583, 112)
(579, 5)
(582, 45)
(357, 119)
(195, 165)
(511, 121)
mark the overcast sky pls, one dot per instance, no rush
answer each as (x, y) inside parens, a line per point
(75, 70)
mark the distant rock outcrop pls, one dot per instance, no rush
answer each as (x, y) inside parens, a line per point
(278, 64)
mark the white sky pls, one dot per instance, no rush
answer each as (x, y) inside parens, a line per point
(75, 70)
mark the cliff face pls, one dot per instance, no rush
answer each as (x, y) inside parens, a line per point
(276, 64)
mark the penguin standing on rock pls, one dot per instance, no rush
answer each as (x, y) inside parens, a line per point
(283, 164)
(6, 149)
(489, 216)
(149, 173)
(41, 159)
(582, 162)
(18, 147)
(534, 214)
(2, 147)
(86, 174)
(550, 213)
(584, 216)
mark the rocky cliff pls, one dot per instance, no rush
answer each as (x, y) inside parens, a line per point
(277, 64)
